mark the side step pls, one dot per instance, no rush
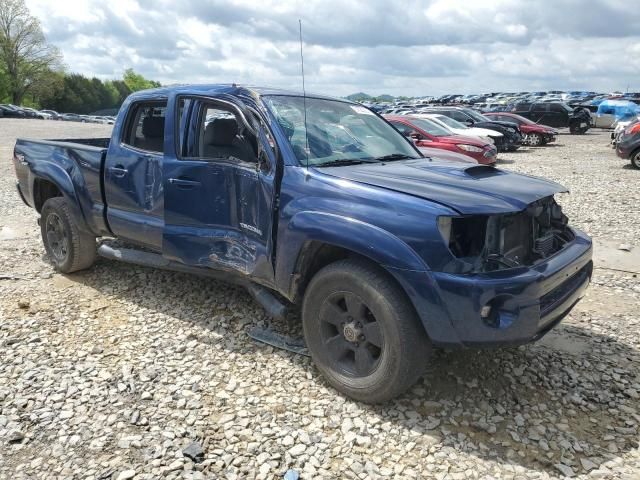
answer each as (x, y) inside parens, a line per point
(274, 307)
(278, 340)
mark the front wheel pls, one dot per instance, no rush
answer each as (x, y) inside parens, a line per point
(362, 332)
(68, 247)
(535, 139)
(635, 159)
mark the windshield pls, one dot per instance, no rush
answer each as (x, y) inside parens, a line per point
(337, 132)
(430, 127)
(451, 123)
(475, 115)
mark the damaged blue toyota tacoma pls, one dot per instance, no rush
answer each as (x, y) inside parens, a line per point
(316, 205)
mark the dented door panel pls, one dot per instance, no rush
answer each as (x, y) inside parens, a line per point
(218, 214)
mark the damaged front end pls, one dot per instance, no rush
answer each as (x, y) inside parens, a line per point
(487, 243)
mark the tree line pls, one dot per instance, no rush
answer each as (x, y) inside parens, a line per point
(32, 72)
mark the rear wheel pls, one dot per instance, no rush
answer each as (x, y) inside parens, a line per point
(362, 332)
(68, 247)
(635, 159)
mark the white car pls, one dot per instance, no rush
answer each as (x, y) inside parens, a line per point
(461, 129)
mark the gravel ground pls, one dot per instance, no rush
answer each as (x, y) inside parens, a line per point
(125, 372)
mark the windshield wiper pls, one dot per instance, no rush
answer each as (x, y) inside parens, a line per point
(345, 161)
(395, 156)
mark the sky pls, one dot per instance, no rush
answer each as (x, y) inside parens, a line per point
(399, 47)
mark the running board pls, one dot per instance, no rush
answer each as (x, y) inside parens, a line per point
(275, 339)
(274, 307)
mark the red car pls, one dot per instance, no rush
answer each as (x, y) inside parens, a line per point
(426, 133)
(534, 133)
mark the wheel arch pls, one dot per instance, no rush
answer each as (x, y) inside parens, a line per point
(311, 245)
(313, 239)
(54, 181)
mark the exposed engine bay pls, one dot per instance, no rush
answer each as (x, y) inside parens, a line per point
(497, 242)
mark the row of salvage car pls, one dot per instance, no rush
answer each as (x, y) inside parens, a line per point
(468, 133)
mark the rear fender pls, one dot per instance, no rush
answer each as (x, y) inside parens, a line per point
(61, 178)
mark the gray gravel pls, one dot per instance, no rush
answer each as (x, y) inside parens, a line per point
(123, 372)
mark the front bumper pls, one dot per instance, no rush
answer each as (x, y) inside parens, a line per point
(21, 194)
(526, 302)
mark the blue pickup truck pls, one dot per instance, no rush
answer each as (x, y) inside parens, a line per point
(319, 205)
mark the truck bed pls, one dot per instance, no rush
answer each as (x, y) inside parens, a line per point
(77, 164)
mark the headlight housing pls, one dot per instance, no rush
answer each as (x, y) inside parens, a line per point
(444, 225)
(469, 148)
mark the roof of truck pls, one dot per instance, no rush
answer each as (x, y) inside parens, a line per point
(228, 88)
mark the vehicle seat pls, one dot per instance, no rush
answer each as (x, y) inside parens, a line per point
(221, 140)
(153, 132)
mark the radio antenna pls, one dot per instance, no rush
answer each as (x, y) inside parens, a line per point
(304, 97)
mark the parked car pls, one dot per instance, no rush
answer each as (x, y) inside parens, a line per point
(9, 111)
(555, 114)
(608, 112)
(72, 117)
(511, 138)
(428, 134)
(387, 253)
(618, 129)
(628, 145)
(33, 113)
(457, 128)
(54, 115)
(533, 133)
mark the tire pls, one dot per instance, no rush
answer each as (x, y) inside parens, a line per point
(362, 332)
(68, 247)
(635, 159)
(535, 139)
(575, 129)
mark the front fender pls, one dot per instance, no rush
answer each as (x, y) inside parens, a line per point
(363, 238)
(376, 244)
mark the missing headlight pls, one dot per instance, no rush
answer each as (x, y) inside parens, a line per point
(496, 242)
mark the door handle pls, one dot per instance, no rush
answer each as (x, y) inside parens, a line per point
(184, 183)
(118, 171)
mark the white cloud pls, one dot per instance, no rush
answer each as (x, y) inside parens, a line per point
(403, 47)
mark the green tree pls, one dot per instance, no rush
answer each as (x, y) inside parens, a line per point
(134, 81)
(25, 56)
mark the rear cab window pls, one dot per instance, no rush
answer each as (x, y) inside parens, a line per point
(144, 128)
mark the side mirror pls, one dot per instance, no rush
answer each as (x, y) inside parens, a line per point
(416, 136)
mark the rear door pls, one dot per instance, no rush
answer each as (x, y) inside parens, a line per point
(133, 175)
(219, 187)
(540, 113)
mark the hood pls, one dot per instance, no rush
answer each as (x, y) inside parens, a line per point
(537, 128)
(465, 139)
(477, 189)
(440, 154)
(496, 125)
(484, 132)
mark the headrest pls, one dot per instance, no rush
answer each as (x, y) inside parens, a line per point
(222, 132)
(153, 127)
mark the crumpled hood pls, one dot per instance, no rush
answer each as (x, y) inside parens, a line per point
(477, 189)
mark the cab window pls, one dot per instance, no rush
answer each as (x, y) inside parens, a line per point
(144, 128)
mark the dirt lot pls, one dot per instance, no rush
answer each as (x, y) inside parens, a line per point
(111, 373)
